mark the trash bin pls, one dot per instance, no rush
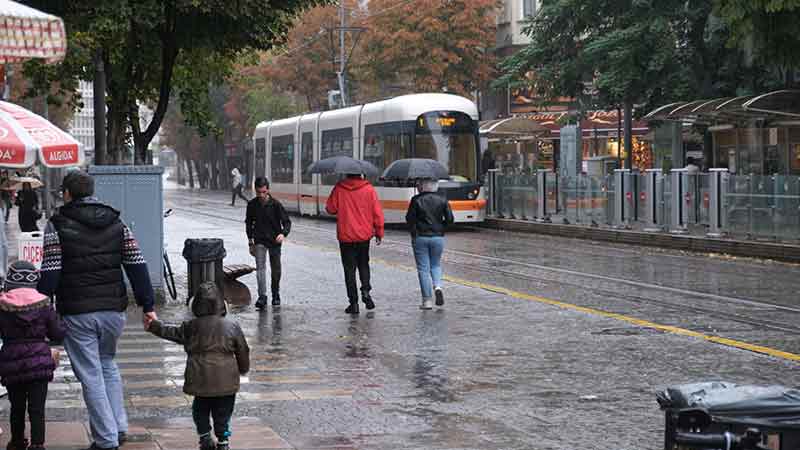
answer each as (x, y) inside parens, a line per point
(717, 407)
(204, 258)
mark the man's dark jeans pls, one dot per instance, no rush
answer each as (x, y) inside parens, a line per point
(274, 253)
(355, 255)
(30, 396)
(218, 408)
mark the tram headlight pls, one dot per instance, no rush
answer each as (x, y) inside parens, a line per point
(473, 195)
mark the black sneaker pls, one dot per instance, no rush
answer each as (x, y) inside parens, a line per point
(223, 445)
(367, 300)
(439, 297)
(352, 309)
(22, 445)
(276, 300)
(207, 443)
(261, 303)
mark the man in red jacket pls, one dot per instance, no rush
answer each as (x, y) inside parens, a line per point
(359, 217)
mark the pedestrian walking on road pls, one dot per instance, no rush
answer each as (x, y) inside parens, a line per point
(86, 249)
(236, 187)
(216, 355)
(267, 224)
(28, 326)
(427, 217)
(359, 217)
(28, 203)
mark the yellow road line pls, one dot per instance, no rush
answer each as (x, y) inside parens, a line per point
(592, 311)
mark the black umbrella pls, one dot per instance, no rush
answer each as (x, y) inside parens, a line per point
(343, 165)
(416, 168)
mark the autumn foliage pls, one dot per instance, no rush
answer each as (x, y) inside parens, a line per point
(402, 47)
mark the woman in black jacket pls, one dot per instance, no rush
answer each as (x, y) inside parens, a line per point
(427, 216)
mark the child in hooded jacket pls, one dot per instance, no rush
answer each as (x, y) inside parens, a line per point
(28, 324)
(217, 354)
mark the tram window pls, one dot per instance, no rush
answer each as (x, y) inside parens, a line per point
(306, 156)
(337, 142)
(282, 159)
(385, 143)
(261, 157)
(456, 151)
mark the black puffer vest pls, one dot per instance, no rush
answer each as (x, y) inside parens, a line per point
(91, 236)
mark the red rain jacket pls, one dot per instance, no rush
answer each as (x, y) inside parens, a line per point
(359, 214)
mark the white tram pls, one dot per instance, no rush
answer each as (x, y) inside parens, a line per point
(437, 126)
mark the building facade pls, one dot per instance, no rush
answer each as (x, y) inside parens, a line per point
(82, 125)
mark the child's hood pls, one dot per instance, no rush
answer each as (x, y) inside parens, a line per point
(23, 299)
(208, 301)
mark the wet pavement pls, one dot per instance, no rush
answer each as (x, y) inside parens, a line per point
(544, 342)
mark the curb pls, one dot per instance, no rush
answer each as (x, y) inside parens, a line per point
(753, 249)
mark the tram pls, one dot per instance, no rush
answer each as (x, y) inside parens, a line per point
(436, 126)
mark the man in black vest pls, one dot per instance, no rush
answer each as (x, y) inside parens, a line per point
(86, 249)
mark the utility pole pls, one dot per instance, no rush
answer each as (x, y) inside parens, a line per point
(342, 62)
(344, 58)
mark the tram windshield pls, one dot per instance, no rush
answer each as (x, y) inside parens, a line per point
(450, 138)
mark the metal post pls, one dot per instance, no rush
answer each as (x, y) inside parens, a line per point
(619, 196)
(653, 199)
(719, 180)
(542, 215)
(492, 209)
(679, 210)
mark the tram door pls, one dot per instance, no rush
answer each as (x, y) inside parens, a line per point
(308, 183)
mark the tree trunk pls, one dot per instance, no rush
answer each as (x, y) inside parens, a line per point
(179, 170)
(191, 173)
(628, 134)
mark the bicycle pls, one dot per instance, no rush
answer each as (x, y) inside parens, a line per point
(169, 279)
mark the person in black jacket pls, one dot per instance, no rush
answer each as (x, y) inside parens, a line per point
(267, 225)
(427, 216)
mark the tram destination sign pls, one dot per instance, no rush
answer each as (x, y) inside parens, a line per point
(445, 122)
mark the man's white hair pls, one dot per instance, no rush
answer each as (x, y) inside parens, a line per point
(428, 186)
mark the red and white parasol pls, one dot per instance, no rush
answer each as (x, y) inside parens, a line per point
(27, 33)
(24, 136)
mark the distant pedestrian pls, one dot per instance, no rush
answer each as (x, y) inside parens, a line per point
(86, 250)
(29, 213)
(216, 355)
(236, 186)
(28, 326)
(267, 224)
(427, 217)
(359, 218)
(6, 198)
(691, 165)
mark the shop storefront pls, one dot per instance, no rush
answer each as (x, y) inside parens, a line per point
(600, 143)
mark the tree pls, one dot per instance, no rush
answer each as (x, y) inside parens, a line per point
(767, 29)
(430, 45)
(144, 45)
(611, 53)
(306, 65)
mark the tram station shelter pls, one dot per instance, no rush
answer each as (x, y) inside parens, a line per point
(748, 135)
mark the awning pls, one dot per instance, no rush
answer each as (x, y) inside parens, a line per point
(511, 128)
(27, 33)
(773, 105)
(26, 137)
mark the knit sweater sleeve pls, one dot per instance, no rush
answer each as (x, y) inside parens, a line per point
(51, 261)
(136, 268)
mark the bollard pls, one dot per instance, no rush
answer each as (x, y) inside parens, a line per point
(543, 215)
(719, 182)
(492, 207)
(653, 200)
(680, 211)
(620, 221)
